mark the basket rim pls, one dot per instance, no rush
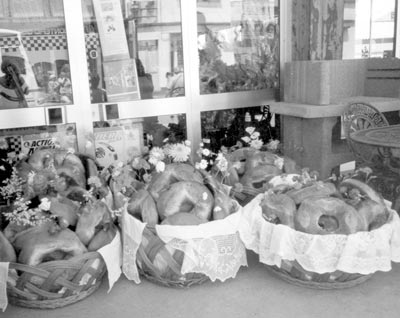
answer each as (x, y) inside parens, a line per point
(27, 294)
(358, 279)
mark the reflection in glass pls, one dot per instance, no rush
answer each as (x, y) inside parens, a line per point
(238, 45)
(227, 127)
(134, 49)
(24, 141)
(369, 28)
(124, 139)
(34, 55)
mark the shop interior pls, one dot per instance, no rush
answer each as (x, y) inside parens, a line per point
(315, 84)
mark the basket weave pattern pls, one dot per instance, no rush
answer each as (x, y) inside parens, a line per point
(294, 273)
(153, 246)
(55, 284)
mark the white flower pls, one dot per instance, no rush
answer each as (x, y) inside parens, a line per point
(188, 143)
(156, 155)
(273, 144)
(2, 168)
(255, 135)
(250, 130)
(179, 152)
(206, 152)
(160, 166)
(45, 204)
(222, 163)
(278, 162)
(120, 164)
(202, 164)
(256, 144)
(246, 139)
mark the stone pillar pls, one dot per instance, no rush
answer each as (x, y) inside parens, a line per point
(317, 29)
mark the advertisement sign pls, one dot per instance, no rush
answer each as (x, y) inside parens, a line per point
(118, 143)
(121, 81)
(111, 29)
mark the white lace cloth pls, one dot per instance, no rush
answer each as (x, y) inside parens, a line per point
(212, 248)
(362, 252)
(111, 253)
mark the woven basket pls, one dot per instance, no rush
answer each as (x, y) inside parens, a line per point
(294, 273)
(246, 194)
(150, 248)
(55, 284)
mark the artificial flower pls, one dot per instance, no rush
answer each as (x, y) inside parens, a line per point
(45, 204)
(160, 166)
(179, 152)
(250, 130)
(256, 144)
(156, 155)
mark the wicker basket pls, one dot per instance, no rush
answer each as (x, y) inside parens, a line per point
(55, 284)
(292, 272)
(246, 194)
(150, 248)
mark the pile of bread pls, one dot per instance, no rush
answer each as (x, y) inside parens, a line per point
(180, 195)
(324, 207)
(75, 222)
(252, 168)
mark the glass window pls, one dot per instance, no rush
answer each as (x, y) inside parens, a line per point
(34, 56)
(368, 28)
(24, 141)
(238, 45)
(227, 127)
(16, 143)
(134, 49)
(123, 139)
(3, 10)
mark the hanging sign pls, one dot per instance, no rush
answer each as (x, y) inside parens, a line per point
(111, 29)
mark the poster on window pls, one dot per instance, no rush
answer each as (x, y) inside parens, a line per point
(121, 81)
(111, 29)
(118, 143)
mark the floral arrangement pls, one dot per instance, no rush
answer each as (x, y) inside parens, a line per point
(29, 192)
(221, 162)
(133, 175)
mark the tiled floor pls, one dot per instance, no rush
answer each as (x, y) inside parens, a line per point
(255, 292)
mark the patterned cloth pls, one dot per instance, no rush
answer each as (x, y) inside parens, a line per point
(362, 252)
(3, 285)
(212, 248)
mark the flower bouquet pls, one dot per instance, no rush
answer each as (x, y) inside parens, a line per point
(322, 234)
(179, 225)
(247, 166)
(58, 230)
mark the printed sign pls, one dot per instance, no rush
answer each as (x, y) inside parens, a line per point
(119, 143)
(121, 80)
(111, 29)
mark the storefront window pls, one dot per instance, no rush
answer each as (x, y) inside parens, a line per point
(34, 55)
(134, 49)
(24, 141)
(238, 45)
(123, 139)
(227, 127)
(369, 27)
